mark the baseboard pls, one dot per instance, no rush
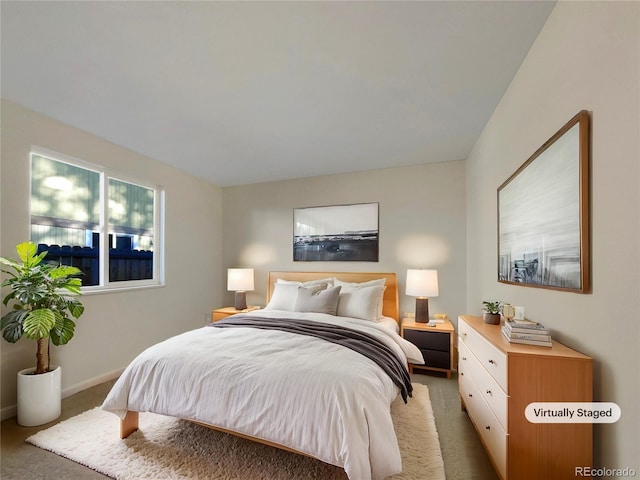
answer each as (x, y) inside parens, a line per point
(11, 410)
(8, 412)
(92, 382)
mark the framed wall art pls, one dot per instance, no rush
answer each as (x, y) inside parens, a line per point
(543, 214)
(336, 233)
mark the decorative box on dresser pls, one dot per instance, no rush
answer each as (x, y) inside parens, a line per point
(498, 379)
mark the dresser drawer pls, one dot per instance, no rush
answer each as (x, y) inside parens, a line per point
(494, 437)
(435, 359)
(429, 340)
(490, 357)
(487, 386)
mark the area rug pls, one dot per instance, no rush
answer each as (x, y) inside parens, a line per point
(167, 448)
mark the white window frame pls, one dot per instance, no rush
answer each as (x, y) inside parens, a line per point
(105, 173)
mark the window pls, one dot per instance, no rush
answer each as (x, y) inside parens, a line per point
(106, 225)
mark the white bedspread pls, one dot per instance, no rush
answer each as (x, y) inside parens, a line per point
(305, 393)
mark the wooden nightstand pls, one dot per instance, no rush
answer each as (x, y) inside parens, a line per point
(435, 343)
(221, 313)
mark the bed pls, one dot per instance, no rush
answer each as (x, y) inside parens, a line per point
(314, 372)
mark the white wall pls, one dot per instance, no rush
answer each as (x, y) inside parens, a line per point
(421, 225)
(115, 326)
(586, 57)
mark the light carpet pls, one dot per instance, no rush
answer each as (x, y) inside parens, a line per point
(168, 448)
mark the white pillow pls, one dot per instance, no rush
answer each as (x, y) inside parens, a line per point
(284, 296)
(361, 302)
(370, 283)
(310, 299)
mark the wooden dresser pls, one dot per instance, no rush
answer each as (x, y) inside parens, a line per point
(497, 381)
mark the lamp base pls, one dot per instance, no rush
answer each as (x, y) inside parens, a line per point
(422, 310)
(241, 301)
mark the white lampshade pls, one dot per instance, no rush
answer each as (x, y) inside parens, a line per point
(422, 283)
(240, 279)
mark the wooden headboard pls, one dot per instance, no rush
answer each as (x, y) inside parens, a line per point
(390, 306)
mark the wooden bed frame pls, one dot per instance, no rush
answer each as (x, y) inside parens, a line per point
(390, 308)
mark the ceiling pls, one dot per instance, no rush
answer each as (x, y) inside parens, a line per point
(247, 92)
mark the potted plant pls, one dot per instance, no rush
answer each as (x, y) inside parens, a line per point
(492, 312)
(44, 300)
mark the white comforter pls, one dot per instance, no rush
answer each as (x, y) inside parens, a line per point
(305, 393)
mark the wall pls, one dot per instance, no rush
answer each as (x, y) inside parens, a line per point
(115, 326)
(586, 57)
(421, 225)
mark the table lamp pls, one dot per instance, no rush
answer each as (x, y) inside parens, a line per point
(422, 284)
(240, 280)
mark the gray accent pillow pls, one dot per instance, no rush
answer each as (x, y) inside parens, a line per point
(285, 294)
(318, 301)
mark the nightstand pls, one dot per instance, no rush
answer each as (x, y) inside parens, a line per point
(435, 343)
(221, 313)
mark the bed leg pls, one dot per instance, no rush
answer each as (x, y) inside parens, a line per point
(129, 424)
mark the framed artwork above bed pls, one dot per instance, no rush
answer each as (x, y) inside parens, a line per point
(343, 233)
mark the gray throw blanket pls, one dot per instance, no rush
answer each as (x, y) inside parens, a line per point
(357, 341)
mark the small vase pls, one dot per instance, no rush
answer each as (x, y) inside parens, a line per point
(39, 397)
(491, 318)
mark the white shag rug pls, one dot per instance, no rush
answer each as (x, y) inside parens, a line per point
(168, 448)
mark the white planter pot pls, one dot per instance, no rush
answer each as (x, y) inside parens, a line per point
(39, 397)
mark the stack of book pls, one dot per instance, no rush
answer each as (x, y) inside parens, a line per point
(526, 332)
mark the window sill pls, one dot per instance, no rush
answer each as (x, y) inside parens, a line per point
(96, 290)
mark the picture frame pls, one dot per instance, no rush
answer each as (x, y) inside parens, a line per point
(336, 233)
(544, 214)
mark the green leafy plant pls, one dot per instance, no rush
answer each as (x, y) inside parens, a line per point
(44, 298)
(493, 307)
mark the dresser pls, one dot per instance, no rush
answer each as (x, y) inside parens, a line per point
(498, 379)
